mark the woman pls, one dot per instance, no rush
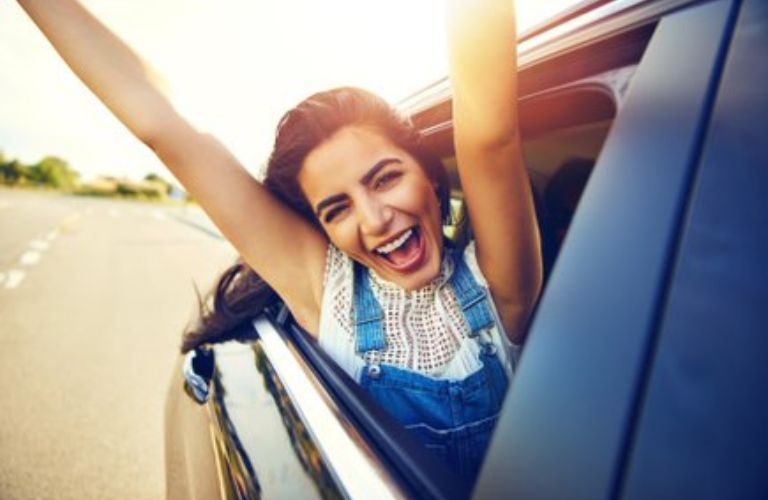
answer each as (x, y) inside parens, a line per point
(347, 229)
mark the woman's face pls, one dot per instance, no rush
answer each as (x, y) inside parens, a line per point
(376, 204)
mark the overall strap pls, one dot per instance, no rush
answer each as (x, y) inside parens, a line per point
(369, 317)
(471, 296)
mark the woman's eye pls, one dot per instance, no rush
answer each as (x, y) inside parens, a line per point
(386, 179)
(334, 212)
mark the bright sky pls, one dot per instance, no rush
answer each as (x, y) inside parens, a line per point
(233, 66)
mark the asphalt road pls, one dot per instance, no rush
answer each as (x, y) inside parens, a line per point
(94, 295)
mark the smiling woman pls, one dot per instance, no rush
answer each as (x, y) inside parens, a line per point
(347, 227)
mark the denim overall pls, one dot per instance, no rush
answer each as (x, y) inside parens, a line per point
(453, 418)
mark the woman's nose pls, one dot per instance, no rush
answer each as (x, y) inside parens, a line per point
(374, 216)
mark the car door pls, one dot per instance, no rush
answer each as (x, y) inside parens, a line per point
(588, 415)
(701, 431)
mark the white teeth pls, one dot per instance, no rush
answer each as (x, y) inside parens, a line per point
(394, 245)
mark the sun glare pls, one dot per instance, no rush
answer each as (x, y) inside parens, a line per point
(234, 67)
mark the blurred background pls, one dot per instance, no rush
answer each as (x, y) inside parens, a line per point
(101, 253)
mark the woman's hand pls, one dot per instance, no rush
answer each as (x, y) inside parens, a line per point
(482, 38)
(256, 223)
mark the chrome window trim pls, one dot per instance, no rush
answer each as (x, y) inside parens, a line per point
(527, 48)
(354, 466)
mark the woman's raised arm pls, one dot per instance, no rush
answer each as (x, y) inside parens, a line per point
(482, 38)
(257, 224)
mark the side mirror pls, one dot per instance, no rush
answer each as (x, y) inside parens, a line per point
(198, 372)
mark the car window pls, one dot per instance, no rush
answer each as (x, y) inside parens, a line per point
(568, 101)
(563, 130)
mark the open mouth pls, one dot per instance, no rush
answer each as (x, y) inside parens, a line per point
(404, 253)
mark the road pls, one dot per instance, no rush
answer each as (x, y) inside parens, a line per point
(94, 295)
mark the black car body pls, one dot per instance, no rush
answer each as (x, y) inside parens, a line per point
(644, 370)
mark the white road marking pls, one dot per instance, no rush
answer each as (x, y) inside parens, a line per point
(30, 258)
(15, 277)
(39, 245)
(52, 235)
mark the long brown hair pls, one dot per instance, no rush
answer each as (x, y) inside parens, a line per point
(240, 293)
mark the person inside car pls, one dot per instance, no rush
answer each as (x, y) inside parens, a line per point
(347, 227)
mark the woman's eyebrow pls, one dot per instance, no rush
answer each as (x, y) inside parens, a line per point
(370, 174)
(329, 201)
(364, 180)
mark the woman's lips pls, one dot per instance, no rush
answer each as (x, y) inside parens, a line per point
(409, 257)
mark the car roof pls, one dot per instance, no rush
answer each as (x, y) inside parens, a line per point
(569, 28)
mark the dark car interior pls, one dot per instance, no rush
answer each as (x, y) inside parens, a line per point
(563, 132)
(567, 105)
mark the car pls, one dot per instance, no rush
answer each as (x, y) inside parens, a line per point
(643, 375)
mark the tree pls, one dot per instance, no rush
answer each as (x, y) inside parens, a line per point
(54, 172)
(11, 172)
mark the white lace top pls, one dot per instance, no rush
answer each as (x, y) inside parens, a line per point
(425, 328)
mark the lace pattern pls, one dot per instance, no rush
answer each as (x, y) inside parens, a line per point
(424, 328)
